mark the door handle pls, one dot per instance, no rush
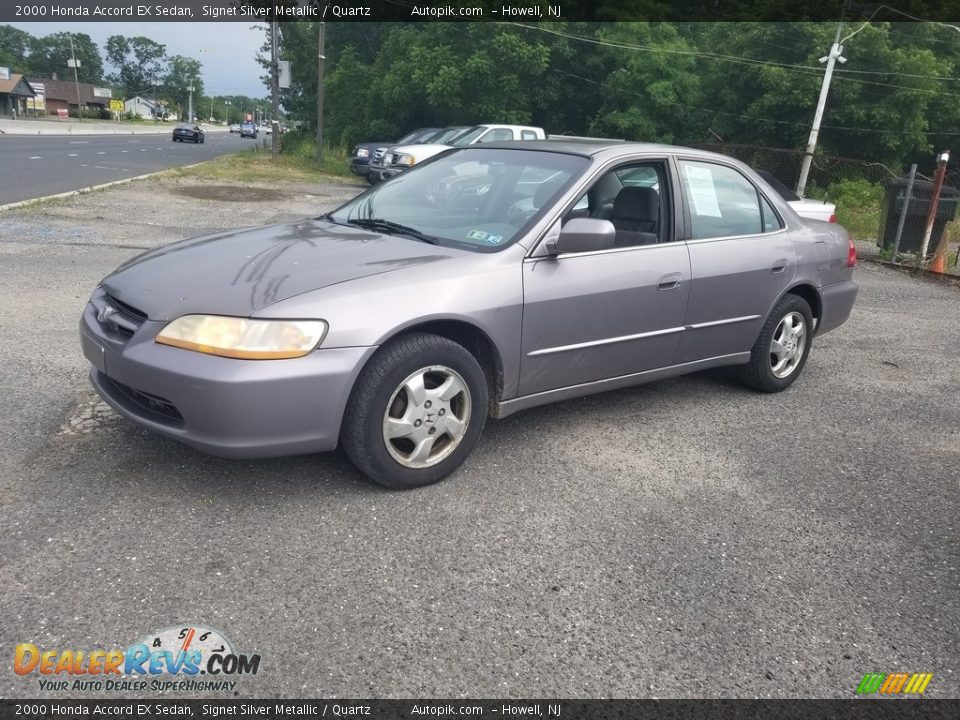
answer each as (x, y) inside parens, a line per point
(669, 282)
(779, 266)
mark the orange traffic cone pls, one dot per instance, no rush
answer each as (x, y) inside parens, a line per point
(938, 264)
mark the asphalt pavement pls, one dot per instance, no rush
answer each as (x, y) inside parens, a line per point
(688, 538)
(40, 165)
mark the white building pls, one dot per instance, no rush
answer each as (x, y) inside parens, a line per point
(144, 107)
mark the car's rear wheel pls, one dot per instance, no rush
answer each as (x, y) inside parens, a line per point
(782, 348)
(416, 411)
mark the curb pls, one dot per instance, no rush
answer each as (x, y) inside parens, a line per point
(91, 188)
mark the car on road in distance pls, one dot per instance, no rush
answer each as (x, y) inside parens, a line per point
(188, 131)
(234, 127)
(248, 129)
(398, 324)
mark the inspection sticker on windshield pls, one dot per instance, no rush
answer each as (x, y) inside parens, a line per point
(483, 236)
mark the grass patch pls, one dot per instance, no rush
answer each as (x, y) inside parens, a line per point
(257, 165)
(858, 206)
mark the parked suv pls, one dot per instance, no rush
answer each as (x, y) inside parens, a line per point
(248, 129)
(362, 153)
(403, 157)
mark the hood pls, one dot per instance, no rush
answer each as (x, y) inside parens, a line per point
(240, 272)
(420, 152)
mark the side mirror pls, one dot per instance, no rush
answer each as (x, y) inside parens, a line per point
(584, 235)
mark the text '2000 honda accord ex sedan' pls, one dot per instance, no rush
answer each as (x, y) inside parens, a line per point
(482, 282)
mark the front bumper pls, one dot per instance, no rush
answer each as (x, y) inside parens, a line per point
(226, 407)
(380, 173)
(359, 167)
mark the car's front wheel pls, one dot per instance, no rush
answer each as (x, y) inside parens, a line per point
(782, 348)
(416, 411)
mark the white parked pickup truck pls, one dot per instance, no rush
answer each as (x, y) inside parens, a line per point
(403, 157)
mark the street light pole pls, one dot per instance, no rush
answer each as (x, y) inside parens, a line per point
(190, 104)
(226, 111)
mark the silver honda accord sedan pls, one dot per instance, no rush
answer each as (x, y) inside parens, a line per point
(485, 281)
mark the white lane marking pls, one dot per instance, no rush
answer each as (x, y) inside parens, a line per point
(71, 154)
(101, 153)
(143, 149)
(124, 151)
(79, 142)
(36, 157)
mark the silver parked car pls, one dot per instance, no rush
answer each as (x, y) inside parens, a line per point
(485, 281)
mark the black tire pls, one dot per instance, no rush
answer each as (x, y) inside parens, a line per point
(362, 433)
(759, 372)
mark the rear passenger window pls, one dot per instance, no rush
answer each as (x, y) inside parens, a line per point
(721, 201)
(497, 135)
(771, 221)
(528, 135)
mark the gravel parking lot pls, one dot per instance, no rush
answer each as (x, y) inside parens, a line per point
(688, 538)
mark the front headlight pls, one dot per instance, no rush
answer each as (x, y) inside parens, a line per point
(404, 159)
(363, 152)
(244, 338)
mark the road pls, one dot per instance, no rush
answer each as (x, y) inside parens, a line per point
(36, 166)
(688, 538)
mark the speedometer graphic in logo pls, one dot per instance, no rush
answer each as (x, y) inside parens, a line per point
(192, 639)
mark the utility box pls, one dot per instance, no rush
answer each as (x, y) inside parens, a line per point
(911, 240)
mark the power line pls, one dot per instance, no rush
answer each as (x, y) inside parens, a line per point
(714, 111)
(804, 69)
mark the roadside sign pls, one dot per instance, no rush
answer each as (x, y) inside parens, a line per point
(116, 105)
(248, 117)
(38, 101)
(62, 113)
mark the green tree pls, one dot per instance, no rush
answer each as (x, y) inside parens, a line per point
(49, 54)
(652, 88)
(139, 61)
(15, 47)
(182, 72)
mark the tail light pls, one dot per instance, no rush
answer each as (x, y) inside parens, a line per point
(832, 218)
(851, 253)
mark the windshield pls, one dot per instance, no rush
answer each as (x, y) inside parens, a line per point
(474, 198)
(441, 137)
(467, 137)
(416, 136)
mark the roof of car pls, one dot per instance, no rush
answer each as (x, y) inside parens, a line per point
(591, 146)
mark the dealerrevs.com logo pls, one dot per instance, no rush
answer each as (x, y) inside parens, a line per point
(171, 659)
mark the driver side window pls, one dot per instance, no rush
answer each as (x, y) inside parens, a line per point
(634, 198)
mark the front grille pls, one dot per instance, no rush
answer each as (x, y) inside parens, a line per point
(378, 154)
(118, 318)
(156, 408)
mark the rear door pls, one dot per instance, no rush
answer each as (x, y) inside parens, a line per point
(741, 259)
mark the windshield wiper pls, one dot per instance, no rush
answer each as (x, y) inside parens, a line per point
(388, 226)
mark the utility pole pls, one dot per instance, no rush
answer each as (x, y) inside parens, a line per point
(226, 111)
(190, 104)
(320, 79)
(835, 54)
(274, 87)
(76, 80)
(942, 160)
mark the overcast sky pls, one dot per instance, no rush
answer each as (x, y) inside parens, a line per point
(228, 48)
